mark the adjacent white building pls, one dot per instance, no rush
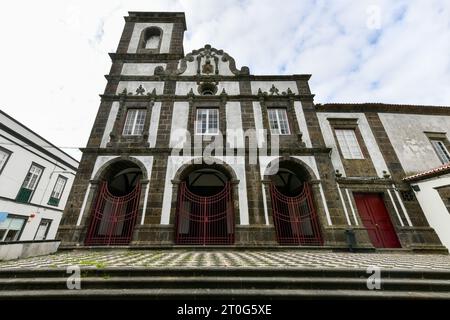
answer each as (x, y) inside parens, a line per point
(432, 189)
(35, 181)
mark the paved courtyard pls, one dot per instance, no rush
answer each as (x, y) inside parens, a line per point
(236, 258)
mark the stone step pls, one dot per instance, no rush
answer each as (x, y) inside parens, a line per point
(183, 272)
(228, 294)
(258, 282)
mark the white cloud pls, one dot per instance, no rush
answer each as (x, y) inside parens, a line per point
(54, 56)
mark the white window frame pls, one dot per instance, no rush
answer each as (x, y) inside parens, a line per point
(4, 158)
(441, 150)
(349, 144)
(208, 112)
(278, 117)
(58, 189)
(43, 223)
(6, 225)
(33, 176)
(134, 122)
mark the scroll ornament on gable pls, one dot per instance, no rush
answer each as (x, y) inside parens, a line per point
(204, 62)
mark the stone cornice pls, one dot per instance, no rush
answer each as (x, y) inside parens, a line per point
(383, 107)
(212, 78)
(144, 57)
(137, 16)
(157, 151)
(171, 97)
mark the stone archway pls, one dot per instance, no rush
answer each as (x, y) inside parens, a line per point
(116, 204)
(292, 202)
(206, 204)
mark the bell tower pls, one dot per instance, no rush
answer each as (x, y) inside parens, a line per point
(128, 121)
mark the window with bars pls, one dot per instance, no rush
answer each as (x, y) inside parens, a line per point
(441, 150)
(134, 122)
(278, 121)
(4, 157)
(207, 121)
(57, 191)
(29, 184)
(348, 144)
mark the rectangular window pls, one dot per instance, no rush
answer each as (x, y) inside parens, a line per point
(4, 157)
(29, 184)
(441, 150)
(278, 121)
(207, 121)
(11, 228)
(57, 191)
(134, 123)
(349, 144)
(42, 230)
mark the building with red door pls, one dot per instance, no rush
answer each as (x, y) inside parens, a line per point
(190, 149)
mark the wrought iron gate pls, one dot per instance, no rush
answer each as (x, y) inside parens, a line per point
(204, 220)
(295, 218)
(113, 218)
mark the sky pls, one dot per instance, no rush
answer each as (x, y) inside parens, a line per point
(54, 54)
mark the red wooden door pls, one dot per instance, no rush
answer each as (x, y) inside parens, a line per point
(376, 219)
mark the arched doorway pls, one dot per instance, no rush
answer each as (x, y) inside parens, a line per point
(293, 209)
(205, 213)
(114, 211)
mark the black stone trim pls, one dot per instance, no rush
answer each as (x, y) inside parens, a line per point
(137, 16)
(201, 78)
(27, 241)
(37, 154)
(145, 57)
(365, 181)
(173, 97)
(168, 151)
(37, 135)
(383, 107)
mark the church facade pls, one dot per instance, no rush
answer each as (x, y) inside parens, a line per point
(189, 149)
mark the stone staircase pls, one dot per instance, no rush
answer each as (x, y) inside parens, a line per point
(222, 283)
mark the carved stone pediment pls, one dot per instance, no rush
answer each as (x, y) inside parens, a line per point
(206, 61)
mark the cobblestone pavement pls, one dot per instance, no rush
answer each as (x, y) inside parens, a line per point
(224, 258)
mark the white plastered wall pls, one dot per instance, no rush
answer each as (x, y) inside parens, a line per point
(174, 163)
(179, 124)
(302, 123)
(235, 134)
(141, 69)
(148, 86)
(265, 86)
(183, 87)
(434, 208)
(411, 145)
(259, 127)
(366, 133)
(166, 36)
(109, 124)
(154, 122)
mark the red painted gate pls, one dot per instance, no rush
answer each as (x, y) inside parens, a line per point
(295, 218)
(204, 220)
(376, 219)
(113, 218)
